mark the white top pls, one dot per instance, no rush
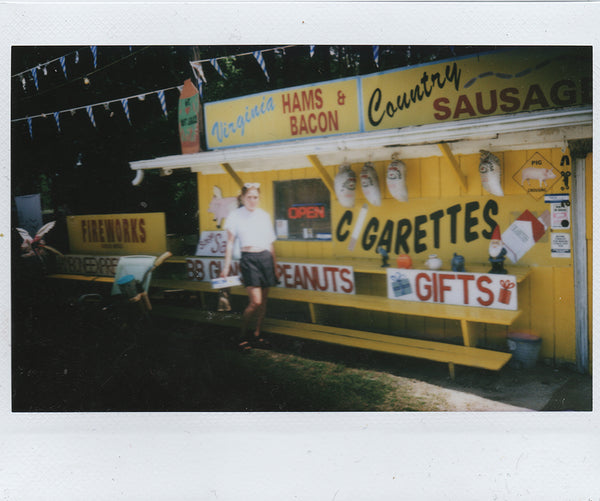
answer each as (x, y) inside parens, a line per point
(252, 228)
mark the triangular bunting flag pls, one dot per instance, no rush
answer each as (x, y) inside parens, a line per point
(311, 50)
(124, 103)
(376, 54)
(63, 65)
(30, 124)
(261, 62)
(35, 78)
(57, 120)
(161, 98)
(94, 50)
(91, 115)
(215, 63)
(199, 72)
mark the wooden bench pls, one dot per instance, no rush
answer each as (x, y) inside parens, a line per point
(430, 350)
(451, 354)
(464, 314)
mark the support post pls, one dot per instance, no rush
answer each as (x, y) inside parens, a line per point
(451, 368)
(468, 334)
(445, 149)
(324, 174)
(313, 313)
(233, 174)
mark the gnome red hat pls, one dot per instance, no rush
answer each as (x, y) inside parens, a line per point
(496, 233)
(496, 243)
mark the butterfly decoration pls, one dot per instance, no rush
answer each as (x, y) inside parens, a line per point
(36, 246)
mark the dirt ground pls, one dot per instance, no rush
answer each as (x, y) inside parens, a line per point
(542, 388)
(49, 375)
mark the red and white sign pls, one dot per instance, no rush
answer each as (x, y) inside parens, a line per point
(523, 233)
(453, 288)
(316, 277)
(212, 243)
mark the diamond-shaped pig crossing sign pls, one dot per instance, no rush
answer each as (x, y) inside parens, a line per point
(537, 176)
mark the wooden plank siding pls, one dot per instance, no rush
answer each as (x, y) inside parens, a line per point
(545, 297)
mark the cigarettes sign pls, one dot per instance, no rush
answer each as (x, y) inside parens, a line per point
(445, 287)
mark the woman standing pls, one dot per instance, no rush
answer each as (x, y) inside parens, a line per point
(258, 264)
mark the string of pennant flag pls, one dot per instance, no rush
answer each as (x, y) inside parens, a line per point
(89, 108)
(41, 69)
(124, 101)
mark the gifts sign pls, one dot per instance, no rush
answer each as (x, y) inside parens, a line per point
(453, 288)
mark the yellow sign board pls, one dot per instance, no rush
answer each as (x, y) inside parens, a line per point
(507, 81)
(121, 234)
(295, 113)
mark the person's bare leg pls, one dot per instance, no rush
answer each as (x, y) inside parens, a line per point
(261, 311)
(254, 305)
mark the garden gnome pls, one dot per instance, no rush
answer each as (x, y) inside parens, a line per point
(497, 253)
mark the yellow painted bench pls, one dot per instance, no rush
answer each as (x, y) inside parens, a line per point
(451, 354)
(417, 348)
(466, 315)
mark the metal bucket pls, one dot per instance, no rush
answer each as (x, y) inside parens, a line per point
(525, 349)
(128, 286)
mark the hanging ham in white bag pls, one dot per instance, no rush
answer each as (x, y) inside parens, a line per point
(491, 173)
(345, 185)
(369, 182)
(396, 179)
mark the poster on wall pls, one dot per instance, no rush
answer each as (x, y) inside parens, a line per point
(561, 245)
(560, 216)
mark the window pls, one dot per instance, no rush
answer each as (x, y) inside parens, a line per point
(302, 210)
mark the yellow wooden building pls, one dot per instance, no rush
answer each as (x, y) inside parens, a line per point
(531, 108)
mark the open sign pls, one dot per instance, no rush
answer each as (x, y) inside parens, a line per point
(307, 211)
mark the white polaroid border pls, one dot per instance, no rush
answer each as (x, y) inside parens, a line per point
(303, 456)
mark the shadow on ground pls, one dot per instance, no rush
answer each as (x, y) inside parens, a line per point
(63, 360)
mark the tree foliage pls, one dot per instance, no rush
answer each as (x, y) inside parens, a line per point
(86, 168)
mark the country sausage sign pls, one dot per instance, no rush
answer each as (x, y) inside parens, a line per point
(510, 80)
(453, 288)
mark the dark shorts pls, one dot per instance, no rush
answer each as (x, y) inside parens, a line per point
(257, 269)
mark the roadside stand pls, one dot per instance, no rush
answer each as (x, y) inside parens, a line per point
(430, 211)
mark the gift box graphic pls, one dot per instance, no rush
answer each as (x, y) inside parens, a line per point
(505, 291)
(400, 285)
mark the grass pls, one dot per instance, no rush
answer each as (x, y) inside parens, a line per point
(61, 366)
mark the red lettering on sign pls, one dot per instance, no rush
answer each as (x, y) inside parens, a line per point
(443, 286)
(346, 277)
(423, 291)
(307, 211)
(466, 279)
(485, 290)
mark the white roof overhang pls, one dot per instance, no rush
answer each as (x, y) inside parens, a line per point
(530, 130)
